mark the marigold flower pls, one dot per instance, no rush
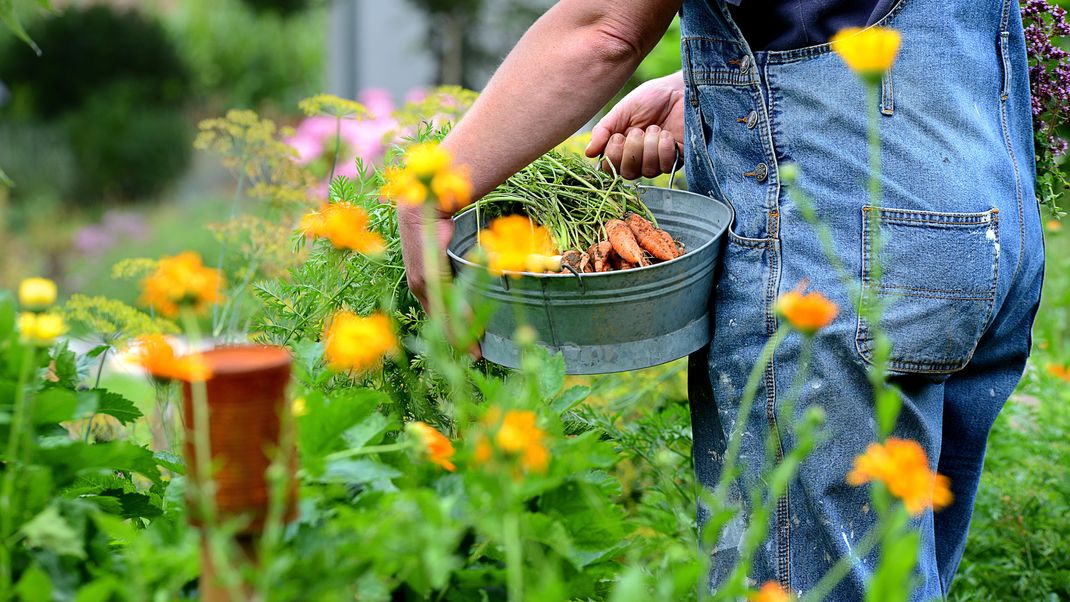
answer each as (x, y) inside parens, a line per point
(426, 159)
(771, 591)
(869, 52)
(1059, 371)
(182, 280)
(36, 294)
(1054, 225)
(402, 186)
(158, 358)
(452, 188)
(511, 241)
(519, 435)
(435, 445)
(345, 225)
(354, 342)
(40, 329)
(902, 466)
(807, 312)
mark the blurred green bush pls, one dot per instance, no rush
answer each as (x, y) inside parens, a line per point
(114, 81)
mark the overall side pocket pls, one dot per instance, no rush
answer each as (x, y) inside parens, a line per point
(938, 274)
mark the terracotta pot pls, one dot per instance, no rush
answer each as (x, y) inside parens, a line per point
(246, 398)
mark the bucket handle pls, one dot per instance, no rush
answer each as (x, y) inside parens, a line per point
(579, 278)
(677, 162)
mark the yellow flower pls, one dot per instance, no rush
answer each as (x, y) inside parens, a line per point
(869, 52)
(345, 225)
(180, 281)
(806, 312)
(353, 342)
(36, 294)
(438, 448)
(299, 407)
(403, 187)
(427, 159)
(158, 358)
(452, 189)
(40, 329)
(770, 592)
(1054, 225)
(519, 435)
(902, 466)
(510, 242)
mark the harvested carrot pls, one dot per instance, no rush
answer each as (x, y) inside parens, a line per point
(573, 259)
(600, 256)
(680, 248)
(624, 243)
(657, 242)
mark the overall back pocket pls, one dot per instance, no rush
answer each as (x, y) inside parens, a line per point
(935, 278)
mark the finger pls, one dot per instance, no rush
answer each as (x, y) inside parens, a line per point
(667, 151)
(631, 164)
(615, 122)
(599, 139)
(614, 153)
(651, 157)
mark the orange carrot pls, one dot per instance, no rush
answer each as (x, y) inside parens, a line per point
(657, 242)
(600, 256)
(573, 259)
(624, 243)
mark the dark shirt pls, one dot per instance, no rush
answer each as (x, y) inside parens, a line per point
(789, 24)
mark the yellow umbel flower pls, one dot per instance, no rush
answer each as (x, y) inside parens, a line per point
(158, 358)
(180, 281)
(436, 446)
(806, 312)
(40, 329)
(869, 52)
(511, 241)
(36, 294)
(354, 342)
(426, 159)
(902, 466)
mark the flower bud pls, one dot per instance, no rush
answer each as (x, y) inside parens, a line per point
(36, 294)
(40, 329)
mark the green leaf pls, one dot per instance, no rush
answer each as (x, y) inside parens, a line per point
(5, 180)
(96, 351)
(56, 404)
(72, 458)
(114, 405)
(570, 398)
(49, 530)
(132, 504)
(171, 462)
(99, 590)
(360, 471)
(551, 375)
(34, 585)
(7, 314)
(9, 18)
(320, 430)
(66, 367)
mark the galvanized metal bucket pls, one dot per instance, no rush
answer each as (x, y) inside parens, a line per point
(612, 321)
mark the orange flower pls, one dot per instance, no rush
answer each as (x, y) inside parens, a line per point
(426, 159)
(158, 358)
(452, 188)
(806, 312)
(403, 186)
(1059, 371)
(902, 466)
(345, 225)
(519, 435)
(1054, 225)
(869, 52)
(770, 592)
(354, 342)
(179, 281)
(438, 448)
(512, 241)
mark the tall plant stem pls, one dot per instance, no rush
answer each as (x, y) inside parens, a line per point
(337, 145)
(8, 508)
(514, 556)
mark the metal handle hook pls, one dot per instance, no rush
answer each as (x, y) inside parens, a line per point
(579, 278)
(677, 162)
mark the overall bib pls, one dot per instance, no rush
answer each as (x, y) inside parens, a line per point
(962, 257)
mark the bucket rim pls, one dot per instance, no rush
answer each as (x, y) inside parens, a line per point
(716, 239)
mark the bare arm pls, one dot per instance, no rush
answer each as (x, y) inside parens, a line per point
(564, 69)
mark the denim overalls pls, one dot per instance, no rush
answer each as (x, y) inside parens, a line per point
(962, 259)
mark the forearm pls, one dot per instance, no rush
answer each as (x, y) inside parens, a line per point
(564, 69)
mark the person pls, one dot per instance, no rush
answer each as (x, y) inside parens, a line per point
(961, 240)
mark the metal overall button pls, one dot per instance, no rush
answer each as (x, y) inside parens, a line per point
(760, 173)
(751, 120)
(744, 64)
